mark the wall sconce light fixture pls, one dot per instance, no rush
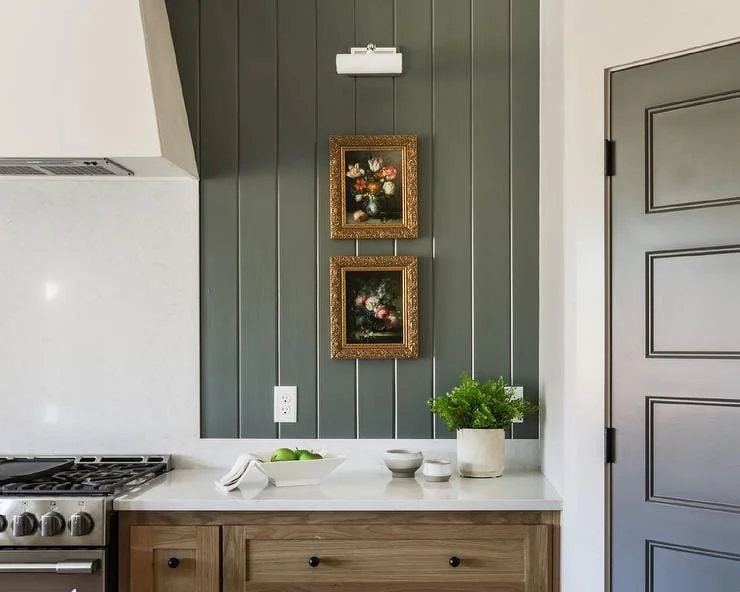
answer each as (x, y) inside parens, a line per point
(370, 61)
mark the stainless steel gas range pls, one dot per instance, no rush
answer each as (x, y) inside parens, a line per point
(57, 525)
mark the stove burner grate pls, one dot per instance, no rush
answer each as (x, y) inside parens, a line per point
(89, 479)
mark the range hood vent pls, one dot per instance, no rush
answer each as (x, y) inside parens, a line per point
(62, 167)
(91, 77)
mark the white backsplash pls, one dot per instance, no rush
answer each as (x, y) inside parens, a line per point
(99, 327)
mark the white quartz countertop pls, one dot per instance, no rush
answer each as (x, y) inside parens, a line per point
(342, 490)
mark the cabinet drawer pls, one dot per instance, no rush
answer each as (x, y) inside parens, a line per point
(385, 561)
(391, 558)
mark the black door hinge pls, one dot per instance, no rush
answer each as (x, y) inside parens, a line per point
(609, 158)
(611, 445)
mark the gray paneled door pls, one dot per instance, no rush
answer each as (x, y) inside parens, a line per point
(675, 324)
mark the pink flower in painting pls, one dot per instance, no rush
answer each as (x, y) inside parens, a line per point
(392, 320)
(390, 172)
(360, 216)
(382, 312)
(360, 300)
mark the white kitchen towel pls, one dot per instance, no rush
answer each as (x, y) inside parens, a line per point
(238, 472)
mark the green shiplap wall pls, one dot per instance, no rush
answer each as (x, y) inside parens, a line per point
(263, 98)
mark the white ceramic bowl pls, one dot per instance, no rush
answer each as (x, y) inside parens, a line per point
(403, 463)
(437, 470)
(298, 472)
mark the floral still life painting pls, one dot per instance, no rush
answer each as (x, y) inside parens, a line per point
(373, 187)
(374, 307)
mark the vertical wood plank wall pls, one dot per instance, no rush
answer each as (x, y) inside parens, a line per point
(263, 98)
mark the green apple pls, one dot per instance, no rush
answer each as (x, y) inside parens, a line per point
(306, 455)
(282, 454)
(300, 451)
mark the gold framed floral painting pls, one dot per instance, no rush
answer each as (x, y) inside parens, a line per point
(373, 187)
(374, 307)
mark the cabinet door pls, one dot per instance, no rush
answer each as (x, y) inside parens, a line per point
(174, 559)
(404, 558)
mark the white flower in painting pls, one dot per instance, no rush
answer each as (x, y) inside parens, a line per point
(375, 164)
(389, 187)
(372, 303)
(359, 196)
(354, 171)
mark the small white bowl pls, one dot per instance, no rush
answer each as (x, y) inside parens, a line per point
(403, 463)
(437, 470)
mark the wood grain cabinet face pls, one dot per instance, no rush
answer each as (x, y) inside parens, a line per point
(408, 558)
(339, 551)
(174, 559)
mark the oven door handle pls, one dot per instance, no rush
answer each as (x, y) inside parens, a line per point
(60, 567)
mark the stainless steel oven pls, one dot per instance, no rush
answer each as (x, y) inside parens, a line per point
(54, 570)
(57, 525)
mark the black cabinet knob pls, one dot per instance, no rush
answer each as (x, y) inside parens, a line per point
(454, 561)
(173, 562)
(314, 561)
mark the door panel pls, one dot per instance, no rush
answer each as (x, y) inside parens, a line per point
(691, 143)
(675, 324)
(687, 569)
(689, 454)
(693, 297)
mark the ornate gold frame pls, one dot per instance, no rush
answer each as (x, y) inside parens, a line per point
(340, 349)
(409, 226)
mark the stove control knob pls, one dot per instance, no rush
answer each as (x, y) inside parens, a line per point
(52, 524)
(80, 524)
(3, 523)
(23, 524)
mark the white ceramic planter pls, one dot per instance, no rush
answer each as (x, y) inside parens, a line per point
(480, 453)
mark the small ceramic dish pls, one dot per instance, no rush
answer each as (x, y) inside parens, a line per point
(436, 470)
(403, 463)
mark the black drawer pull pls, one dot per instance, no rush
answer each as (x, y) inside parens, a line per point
(173, 562)
(454, 561)
(313, 561)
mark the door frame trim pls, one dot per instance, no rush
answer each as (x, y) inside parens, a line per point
(608, 468)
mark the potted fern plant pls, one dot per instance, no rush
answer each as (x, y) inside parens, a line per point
(480, 412)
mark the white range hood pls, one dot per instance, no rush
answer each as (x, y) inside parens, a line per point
(83, 80)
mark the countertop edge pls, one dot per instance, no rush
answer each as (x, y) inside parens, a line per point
(419, 506)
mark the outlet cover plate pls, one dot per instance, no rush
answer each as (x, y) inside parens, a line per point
(519, 394)
(286, 403)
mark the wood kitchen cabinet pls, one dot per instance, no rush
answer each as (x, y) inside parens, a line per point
(347, 551)
(169, 558)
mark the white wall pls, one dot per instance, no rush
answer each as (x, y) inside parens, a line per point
(596, 35)
(552, 306)
(99, 343)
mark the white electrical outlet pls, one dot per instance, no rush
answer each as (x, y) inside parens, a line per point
(518, 394)
(286, 403)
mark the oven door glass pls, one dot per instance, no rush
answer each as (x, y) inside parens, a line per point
(47, 570)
